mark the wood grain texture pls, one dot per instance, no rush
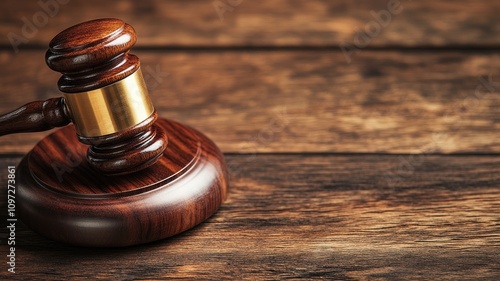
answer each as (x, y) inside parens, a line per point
(268, 23)
(302, 215)
(305, 101)
(61, 196)
(315, 217)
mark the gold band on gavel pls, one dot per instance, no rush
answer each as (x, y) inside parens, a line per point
(112, 108)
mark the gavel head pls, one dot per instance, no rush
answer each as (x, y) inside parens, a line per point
(106, 96)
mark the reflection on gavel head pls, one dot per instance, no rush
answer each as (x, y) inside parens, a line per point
(105, 95)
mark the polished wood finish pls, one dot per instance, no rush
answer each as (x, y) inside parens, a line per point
(35, 116)
(63, 198)
(95, 54)
(301, 205)
(161, 191)
(92, 54)
(127, 151)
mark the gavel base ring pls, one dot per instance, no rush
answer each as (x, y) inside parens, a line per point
(63, 198)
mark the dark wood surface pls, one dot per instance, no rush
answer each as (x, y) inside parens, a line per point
(313, 216)
(272, 23)
(402, 101)
(384, 168)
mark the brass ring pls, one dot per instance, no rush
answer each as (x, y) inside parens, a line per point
(110, 109)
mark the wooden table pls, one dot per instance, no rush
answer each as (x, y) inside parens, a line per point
(372, 165)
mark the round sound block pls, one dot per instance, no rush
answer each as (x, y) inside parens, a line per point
(63, 198)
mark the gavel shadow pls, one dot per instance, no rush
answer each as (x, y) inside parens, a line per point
(31, 243)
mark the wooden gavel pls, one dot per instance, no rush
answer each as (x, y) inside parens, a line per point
(104, 96)
(163, 189)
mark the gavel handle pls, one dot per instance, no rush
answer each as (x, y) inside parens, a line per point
(35, 117)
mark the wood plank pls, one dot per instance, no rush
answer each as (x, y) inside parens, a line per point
(269, 23)
(315, 217)
(304, 101)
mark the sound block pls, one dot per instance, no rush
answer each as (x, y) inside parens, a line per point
(61, 197)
